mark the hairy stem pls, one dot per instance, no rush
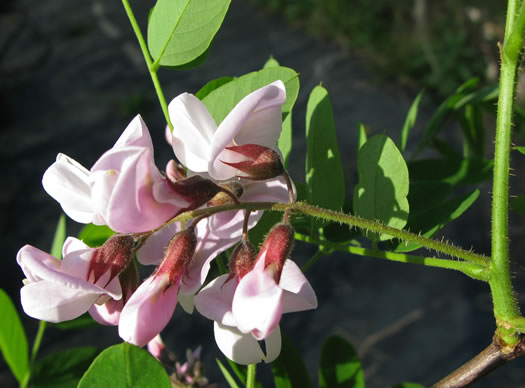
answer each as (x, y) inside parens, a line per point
(149, 62)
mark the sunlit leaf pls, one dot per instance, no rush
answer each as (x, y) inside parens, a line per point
(125, 366)
(211, 86)
(227, 375)
(340, 366)
(13, 341)
(62, 369)
(95, 235)
(409, 122)
(179, 32)
(381, 193)
(285, 140)
(288, 369)
(361, 136)
(324, 171)
(59, 237)
(271, 62)
(520, 149)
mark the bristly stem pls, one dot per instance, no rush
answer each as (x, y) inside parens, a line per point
(149, 62)
(505, 304)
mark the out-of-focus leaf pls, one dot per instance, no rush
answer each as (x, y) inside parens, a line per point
(125, 366)
(518, 204)
(59, 237)
(258, 232)
(211, 86)
(82, 322)
(456, 171)
(95, 235)
(179, 32)
(407, 385)
(474, 131)
(324, 172)
(241, 371)
(520, 149)
(409, 122)
(361, 136)
(288, 369)
(340, 366)
(227, 375)
(13, 341)
(62, 369)
(381, 193)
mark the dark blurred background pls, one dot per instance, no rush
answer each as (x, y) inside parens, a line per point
(72, 77)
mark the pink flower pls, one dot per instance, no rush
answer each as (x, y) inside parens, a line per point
(124, 189)
(60, 290)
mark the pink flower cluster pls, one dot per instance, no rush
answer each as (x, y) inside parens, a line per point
(234, 161)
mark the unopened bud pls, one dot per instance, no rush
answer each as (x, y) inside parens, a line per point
(114, 256)
(223, 198)
(278, 245)
(175, 171)
(262, 162)
(242, 260)
(196, 190)
(178, 255)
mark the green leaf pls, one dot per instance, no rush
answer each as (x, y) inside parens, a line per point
(125, 366)
(211, 86)
(181, 31)
(433, 218)
(271, 62)
(59, 238)
(473, 130)
(227, 375)
(518, 204)
(82, 322)
(258, 233)
(361, 136)
(381, 193)
(324, 171)
(520, 149)
(288, 369)
(13, 341)
(407, 385)
(95, 235)
(241, 371)
(409, 122)
(222, 100)
(285, 140)
(62, 369)
(340, 366)
(456, 171)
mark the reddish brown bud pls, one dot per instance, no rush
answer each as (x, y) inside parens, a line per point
(223, 198)
(114, 256)
(196, 190)
(129, 280)
(278, 246)
(178, 255)
(262, 162)
(175, 171)
(242, 260)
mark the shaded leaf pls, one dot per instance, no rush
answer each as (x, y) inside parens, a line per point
(179, 32)
(407, 385)
(241, 371)
(82, 322)
(227, 375)
(518, 204)
(409, 122)
(13, 341)
(382, 189)
(288, 369)
(520, 149)
(62, 369)
(258, 233)
(456, 171)
(95, 235)
(285, 140)
(125, 366)
(59, 237)
(324, 171)
(340, 366)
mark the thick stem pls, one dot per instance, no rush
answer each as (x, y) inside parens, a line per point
(505, 305)
(250, 377)
(149, 62)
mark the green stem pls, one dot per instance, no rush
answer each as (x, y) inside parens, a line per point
(513, 43)
(475, 271)
(348, 219)
(250, 378)
(38, 340)
(151, 66)
(505, 305)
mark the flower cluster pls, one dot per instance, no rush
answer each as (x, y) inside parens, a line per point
(233, 162)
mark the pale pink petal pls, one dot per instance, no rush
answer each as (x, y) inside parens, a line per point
(108, 313)
(215, 300)
(156, 347)
(299, 294)
(256, 119)
(273, 345)
(69, 184)
(167, 134)
(152, 252)
(187, 302)
(256, 304)
(193, 129)
(135, 134)
(238, 347)
(101, 191)
(72, 244)
(54, 302)
(148, 311)
(163, 193)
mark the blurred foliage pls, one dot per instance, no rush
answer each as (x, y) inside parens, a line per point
(433, 44)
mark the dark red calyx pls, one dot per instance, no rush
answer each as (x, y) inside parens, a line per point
(178, 255)
(114, 256)
(262, 162)
(242, 260)
(278, 246)
(224, 198)
(196, 190)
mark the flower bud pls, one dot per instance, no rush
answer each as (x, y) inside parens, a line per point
(262, 162)
(223, 198)
(278, 246)
(114, 256)
(242, 260)
(196, 190)
(178, 256)
(175, 171)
